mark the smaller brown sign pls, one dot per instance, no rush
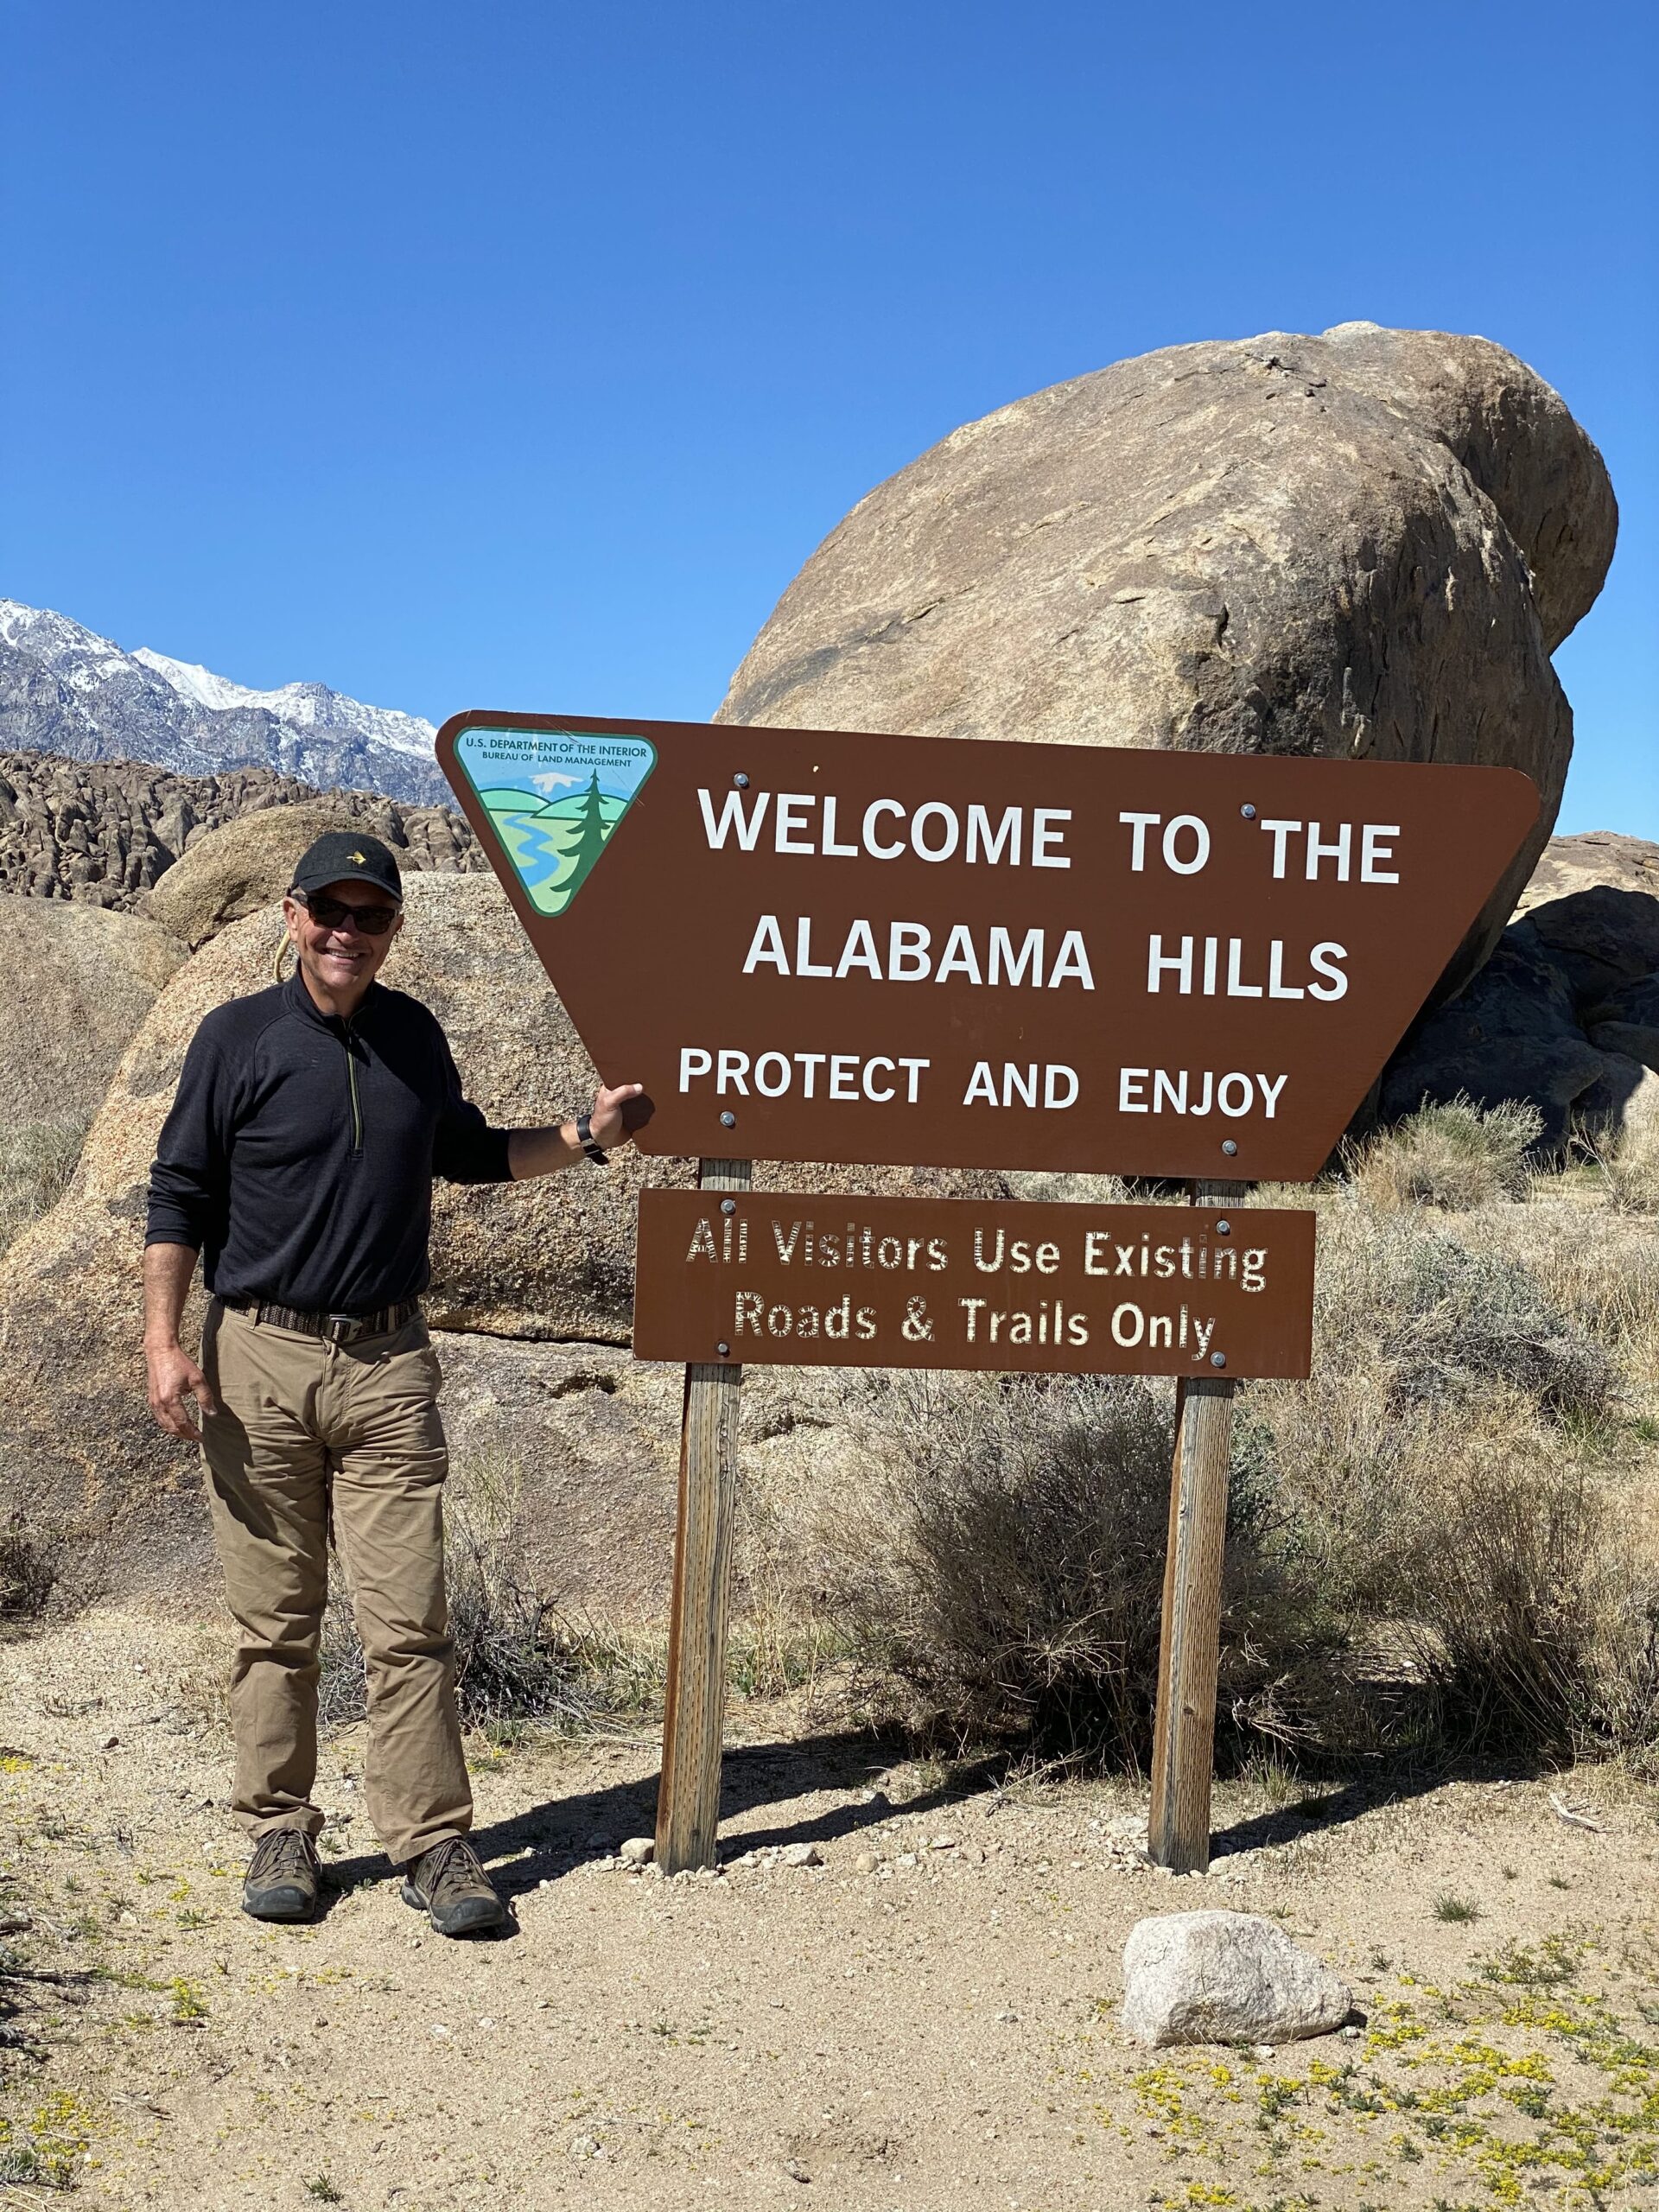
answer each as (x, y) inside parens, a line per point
(761, 1278)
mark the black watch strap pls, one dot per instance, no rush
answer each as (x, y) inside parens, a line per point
(585, 1139)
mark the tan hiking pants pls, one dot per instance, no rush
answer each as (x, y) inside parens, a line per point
(313, 1439)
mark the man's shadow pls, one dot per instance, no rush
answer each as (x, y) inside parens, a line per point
(547, 1841)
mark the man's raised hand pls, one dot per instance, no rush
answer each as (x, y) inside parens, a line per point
(606, 1120)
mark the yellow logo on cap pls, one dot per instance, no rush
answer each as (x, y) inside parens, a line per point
(362, 859)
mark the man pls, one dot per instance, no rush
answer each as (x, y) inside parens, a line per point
(298, 1160)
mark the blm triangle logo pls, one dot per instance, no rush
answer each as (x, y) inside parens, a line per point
(553, 798)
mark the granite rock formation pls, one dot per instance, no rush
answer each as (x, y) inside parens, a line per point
(1363, 545)
(234, 871)
(104, 832)
(1565, 1015)
(86, 979)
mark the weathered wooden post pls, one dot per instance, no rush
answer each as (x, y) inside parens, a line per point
(1189, 1640)
(688, 1798)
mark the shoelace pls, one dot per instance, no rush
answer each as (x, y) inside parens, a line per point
(279, 1852)
(456, 1868)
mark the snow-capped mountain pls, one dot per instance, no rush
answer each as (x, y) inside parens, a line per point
(63, 688)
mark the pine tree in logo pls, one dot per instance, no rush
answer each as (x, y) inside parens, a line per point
(591, 833)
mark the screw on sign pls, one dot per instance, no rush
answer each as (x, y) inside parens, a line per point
(916, 951)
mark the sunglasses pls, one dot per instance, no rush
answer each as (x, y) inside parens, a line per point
(335, 913)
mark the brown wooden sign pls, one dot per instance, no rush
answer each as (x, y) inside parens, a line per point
(761, 1278)
(844, 947)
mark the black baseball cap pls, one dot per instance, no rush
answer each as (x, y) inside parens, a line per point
(346, 856)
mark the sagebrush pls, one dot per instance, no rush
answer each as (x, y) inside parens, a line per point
(1454, 1154)
(518, 1658)
(37, 1160)
(1442, 1542)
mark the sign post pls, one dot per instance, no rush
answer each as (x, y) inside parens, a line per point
(824, 946)
(688, 1799)
(1189, 1644)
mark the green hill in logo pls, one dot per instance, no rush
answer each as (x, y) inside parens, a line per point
(553, 800)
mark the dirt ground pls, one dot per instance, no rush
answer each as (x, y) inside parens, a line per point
(925, 2021)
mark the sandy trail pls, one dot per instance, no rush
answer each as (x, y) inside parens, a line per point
(925, 2021)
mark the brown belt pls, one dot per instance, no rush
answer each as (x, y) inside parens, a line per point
(336, 1328)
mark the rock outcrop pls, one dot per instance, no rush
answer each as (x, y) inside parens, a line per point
(1363, 545)
(1594, 857)
(236, 870)
(1565, 1015)
(82, 981)
(104, 832)
(1225, 1977)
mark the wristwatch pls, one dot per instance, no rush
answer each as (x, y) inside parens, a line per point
(585, 1139)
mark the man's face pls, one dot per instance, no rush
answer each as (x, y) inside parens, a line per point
(336, 955)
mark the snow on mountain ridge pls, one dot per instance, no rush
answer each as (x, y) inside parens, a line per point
(294, 703)
(65, 688)
(193, 681)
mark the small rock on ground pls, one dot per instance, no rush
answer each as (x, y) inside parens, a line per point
(1225, 1977)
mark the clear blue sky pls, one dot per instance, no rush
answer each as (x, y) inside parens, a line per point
(518, 354)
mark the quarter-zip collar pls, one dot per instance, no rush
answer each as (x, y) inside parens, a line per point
(299, 1001)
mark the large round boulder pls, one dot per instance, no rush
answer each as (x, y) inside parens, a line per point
(1362, 545)
(82, 979)
(233, 871)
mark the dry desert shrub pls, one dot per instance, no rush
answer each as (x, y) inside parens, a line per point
(1487, 1593)
(1406, 1307)
(1598, 1267)
(1525, 1611)
(995, 1558)
(518, 1658)
(1629, 1165)
(38, 1160)
(995, 1554)
(1455, 1155)
(1428, 1480)
(1418, 1556)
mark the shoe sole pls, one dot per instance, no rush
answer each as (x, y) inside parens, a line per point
(475, 1918)
(300, 1910)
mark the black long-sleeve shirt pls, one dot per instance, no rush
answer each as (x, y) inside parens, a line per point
(299, 1154)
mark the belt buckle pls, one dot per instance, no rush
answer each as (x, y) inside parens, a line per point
(337, 1325)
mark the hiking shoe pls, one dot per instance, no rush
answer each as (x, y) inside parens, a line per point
(447, 1883)
(282, 1878)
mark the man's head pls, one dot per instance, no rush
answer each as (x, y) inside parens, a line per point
(342, 914)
